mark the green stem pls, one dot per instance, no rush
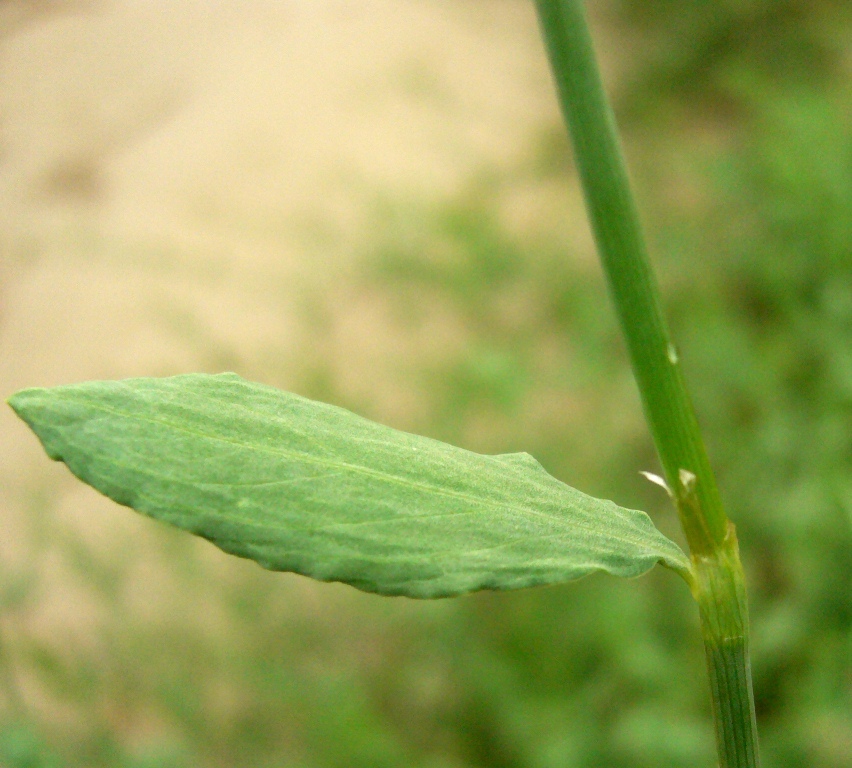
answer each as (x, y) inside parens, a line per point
(618, 233)
(720, 591)
(717, 583)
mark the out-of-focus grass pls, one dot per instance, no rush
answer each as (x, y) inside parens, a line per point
(737, 128)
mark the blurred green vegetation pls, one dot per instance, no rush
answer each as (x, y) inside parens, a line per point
(736, 118)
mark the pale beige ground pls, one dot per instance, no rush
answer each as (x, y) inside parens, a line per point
(176, 176)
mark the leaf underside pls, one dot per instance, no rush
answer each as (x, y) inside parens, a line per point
(307, 487)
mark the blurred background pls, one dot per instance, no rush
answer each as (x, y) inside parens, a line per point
(373, 203)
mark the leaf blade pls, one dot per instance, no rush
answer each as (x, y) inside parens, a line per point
(311, 488)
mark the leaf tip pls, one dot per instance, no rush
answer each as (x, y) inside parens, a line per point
(34, 406)
(21, 402)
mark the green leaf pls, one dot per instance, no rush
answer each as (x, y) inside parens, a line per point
(302, 486)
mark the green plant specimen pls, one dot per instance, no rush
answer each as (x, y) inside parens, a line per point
(719, 584)
(304, 487)
(311, 488)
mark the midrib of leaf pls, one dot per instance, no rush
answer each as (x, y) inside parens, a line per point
(365, 471)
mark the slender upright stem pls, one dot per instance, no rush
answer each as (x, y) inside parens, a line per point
(718, 583)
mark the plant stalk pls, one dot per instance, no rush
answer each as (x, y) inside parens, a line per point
(717, 580)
